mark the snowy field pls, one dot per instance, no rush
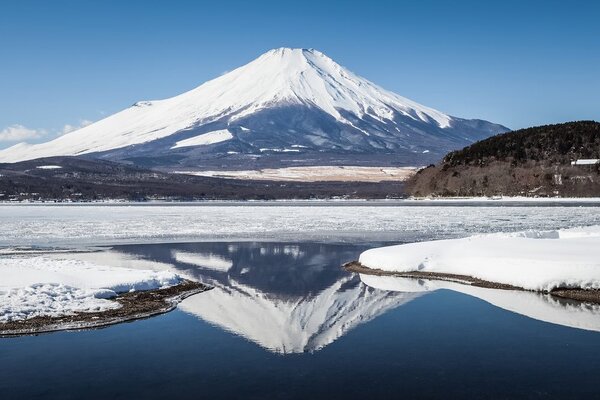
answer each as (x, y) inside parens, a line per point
(42, 286)
(105, 224)
(532, 260)
(316, 174)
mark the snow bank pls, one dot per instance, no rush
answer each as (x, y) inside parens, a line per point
(43, 286)
(534, 260)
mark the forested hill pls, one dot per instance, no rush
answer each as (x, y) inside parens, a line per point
(527, 162)
(550, 144)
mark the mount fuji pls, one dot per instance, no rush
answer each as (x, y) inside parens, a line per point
(288, 107)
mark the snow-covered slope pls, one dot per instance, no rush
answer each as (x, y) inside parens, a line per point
(286, 97)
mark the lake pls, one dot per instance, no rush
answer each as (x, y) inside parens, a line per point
(284, 320)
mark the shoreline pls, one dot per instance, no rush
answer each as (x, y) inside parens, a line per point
(404, 200)
(134, 306)
(575, 294)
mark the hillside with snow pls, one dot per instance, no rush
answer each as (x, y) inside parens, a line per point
(287, 107)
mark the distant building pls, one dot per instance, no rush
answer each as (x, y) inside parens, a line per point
(586, 161)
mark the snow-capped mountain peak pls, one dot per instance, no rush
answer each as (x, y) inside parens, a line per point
(284, 97)
(309, 77)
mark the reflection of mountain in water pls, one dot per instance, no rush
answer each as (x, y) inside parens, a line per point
(292, 298)
(295, 324)
(543, 307)
(286, 298)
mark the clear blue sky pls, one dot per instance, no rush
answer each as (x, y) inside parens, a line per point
(519, 63)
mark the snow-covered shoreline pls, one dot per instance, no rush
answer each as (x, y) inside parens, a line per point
(504, 199)
(334, 200)
(531, 260)
(38, 286)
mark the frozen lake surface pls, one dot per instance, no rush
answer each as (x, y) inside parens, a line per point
(90, 224)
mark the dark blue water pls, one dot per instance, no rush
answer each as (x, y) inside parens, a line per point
(369, 343)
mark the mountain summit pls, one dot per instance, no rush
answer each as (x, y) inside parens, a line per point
(287, 107)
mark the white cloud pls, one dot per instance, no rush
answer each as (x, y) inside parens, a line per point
(19, 133)
(70, 128)
(16, 133)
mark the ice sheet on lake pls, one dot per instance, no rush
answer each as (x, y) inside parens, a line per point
(110, 224)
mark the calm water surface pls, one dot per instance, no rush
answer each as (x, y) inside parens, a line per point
(285, 321)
